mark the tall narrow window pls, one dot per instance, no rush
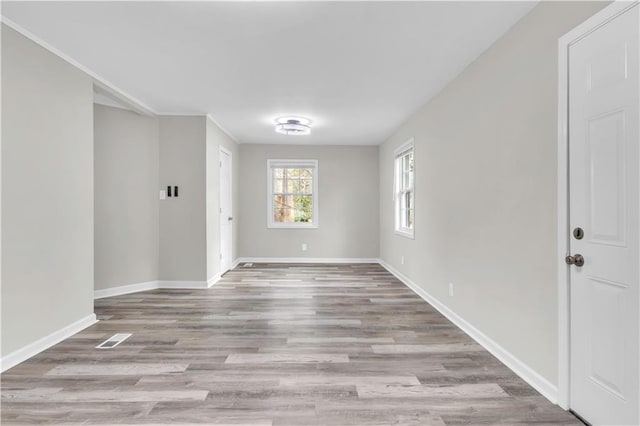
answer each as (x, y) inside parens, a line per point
(404, 193)
(293, 193)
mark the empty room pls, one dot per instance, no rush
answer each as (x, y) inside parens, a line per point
(299, 213)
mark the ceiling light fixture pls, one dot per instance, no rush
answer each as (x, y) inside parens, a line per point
(293, 125)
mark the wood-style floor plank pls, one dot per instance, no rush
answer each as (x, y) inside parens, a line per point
(133, 369)
(271, 345)
(464, 391)
(285, 358)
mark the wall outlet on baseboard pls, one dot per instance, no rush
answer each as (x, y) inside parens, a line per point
(402, 260)
(304, 246)
(451, 289)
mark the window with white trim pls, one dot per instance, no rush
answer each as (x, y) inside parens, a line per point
(404, 194)
(293, 193)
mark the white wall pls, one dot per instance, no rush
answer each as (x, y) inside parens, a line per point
(485, 153)
(183, 234)
(47, 193)
(348, 201)
(126, 197)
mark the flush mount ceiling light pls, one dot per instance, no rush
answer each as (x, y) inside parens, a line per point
(293, 125)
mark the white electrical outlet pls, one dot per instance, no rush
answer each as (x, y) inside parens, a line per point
(304, 246)
(402, 260)
(451, 289)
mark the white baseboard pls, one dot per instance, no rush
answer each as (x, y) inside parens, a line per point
(235, 264)
(125, 289)
(526, 373)
(211, 281)
(306, 260)
(154, 285)
(46, 342)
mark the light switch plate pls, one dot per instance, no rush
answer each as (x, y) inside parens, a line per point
(163, 194)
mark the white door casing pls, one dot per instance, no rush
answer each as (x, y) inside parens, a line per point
(604, 200)
(226, 211)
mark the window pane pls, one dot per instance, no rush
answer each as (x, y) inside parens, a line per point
(288, 201)
(306, 186)
(406, 181)
(306, 173)
(280, 201)
(293, 173)
(409, 200)
(278, 185)
(278, 172)
(293, 186)
(406, 210)
(282, 215)
(283, 208)
(296, 208)
(303, 208)
(407, 162)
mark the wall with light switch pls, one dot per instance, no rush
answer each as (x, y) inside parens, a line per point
(156, 201)
(183, 242)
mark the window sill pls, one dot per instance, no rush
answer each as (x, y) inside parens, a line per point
(405, 234)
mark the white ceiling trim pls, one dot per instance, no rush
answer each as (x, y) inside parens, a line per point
(100, 98)
(225, 131)
(136, 104)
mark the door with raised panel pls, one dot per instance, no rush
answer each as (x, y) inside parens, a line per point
(604, 204)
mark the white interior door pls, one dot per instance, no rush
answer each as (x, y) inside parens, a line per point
(604, 201)
(226, 212)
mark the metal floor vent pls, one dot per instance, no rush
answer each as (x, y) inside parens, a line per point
(113, 341)
(247, 265)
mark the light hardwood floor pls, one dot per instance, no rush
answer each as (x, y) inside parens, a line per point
(274, 345)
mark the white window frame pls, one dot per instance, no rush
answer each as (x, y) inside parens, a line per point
(398, 155)
(307, 164)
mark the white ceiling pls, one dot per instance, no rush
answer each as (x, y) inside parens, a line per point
(358, 69)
